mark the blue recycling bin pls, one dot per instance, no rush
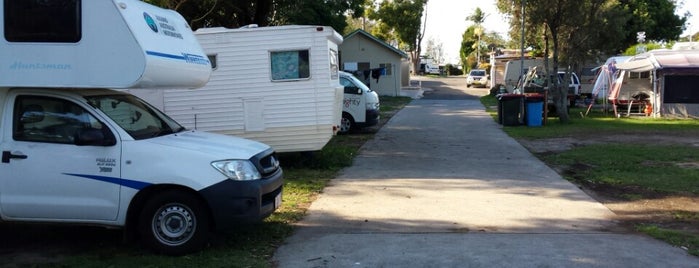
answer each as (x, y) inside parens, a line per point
(534, 111)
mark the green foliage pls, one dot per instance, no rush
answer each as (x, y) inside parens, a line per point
(592, 27)
(468, 40)
(656, 18)
(317, 12)
(453, 70)
(237, 13)
(403, 17)
(633, 50)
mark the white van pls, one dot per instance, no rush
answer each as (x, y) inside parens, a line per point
(360, 105)
(76, 152)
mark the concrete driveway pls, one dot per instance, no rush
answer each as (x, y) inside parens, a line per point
(441, 185)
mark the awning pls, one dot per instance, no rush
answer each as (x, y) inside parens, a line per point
(661, 59)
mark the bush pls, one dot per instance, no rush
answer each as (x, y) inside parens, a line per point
(454, 70)
(496, 89)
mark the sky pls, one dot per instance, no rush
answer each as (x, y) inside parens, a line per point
(446, 22)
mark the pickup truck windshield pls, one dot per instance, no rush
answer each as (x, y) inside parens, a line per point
(136, 117)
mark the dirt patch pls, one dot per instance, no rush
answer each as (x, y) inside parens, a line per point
(632, 205)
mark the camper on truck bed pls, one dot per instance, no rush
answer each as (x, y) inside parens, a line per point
(75, 151)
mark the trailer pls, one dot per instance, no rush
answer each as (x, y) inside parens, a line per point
(278, 85)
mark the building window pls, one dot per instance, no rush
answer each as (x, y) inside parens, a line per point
(43, 21)
(290, 65)
(387, 67)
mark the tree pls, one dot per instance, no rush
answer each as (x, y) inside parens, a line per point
(656, 18)
(478, 17)
(579, 29)
(225, 13)
(318, 12)
(237, 13)
(468, 41)
(402, 19)
(434, 50)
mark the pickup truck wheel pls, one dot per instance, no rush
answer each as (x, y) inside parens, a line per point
(346, 123)
(174, 223)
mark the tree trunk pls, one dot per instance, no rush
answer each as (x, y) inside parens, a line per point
(560, 92)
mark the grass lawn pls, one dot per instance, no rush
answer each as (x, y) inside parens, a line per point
(638, 160)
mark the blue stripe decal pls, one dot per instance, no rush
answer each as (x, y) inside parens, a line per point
(164, 55)
(189, 58)
(138, 185)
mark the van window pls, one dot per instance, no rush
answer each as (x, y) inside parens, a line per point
(290, 65)
(350, 88)
(43, 119)
(43, 21)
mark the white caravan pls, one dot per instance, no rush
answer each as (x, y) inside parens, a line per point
(277, 85)
(74, 151)
(360, 104)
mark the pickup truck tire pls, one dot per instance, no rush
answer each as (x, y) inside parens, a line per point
(174, 223)
(346, 123)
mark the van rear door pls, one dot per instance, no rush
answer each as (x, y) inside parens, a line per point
(46, 175)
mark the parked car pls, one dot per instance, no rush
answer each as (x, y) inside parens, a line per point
(477, 77)
(573, 87)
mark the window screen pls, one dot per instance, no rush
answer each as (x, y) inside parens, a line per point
(56, 21)
(681, 89)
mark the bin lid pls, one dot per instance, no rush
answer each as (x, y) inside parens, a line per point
(509, 96)
(534, 97)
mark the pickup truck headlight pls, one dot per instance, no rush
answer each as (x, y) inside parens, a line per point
(239, 170)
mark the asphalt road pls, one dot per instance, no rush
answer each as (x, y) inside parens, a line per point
(441, 185)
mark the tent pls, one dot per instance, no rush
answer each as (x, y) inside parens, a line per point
(671, 84)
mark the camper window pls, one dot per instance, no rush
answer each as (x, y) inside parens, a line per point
(290, 65)
(42, 21)
(635, 75)
(212, 60)
(334, 68)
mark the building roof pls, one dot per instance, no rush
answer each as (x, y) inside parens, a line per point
(382, 43)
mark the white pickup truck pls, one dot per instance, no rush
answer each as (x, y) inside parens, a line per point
(74, 151)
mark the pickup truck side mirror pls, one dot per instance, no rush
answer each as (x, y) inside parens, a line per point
(95, 137)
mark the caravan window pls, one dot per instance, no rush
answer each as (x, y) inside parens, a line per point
(333, 65)
(290, 65)
(42, 21)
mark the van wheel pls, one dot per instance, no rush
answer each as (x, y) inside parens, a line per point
(346, 123)
(174, 223)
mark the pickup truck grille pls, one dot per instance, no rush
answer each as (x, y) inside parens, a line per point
(266, 162)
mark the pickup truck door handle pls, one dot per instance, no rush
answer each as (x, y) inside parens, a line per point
(7, 155)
